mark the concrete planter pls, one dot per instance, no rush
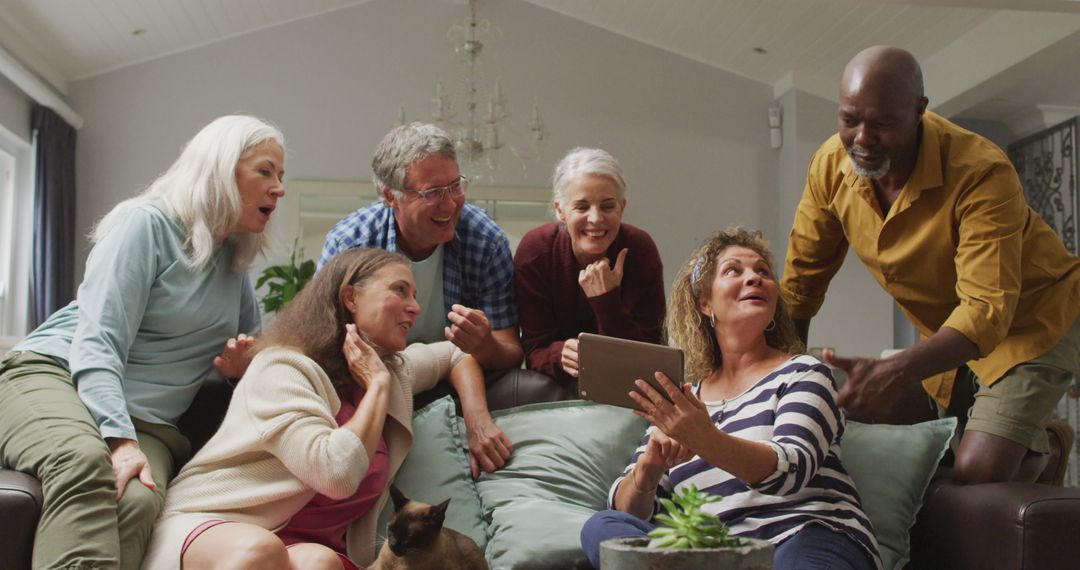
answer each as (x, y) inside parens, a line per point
(634, 554)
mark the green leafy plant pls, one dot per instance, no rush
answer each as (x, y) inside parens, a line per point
(686, 526)
(284, 281)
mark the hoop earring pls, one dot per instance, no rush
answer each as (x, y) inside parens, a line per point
(772, 326)
(712, 320)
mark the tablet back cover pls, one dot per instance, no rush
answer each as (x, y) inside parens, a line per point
(608, 367)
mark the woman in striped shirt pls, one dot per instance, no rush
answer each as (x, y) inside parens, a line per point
(761, 427)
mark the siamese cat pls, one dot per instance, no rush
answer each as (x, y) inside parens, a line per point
(416, 539)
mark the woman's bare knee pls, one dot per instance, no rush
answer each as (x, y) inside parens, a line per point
(236, 546)
(310, 556)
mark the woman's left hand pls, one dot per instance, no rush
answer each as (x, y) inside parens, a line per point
(234, 360)
(489, 447)
(365, 365)
(600, 276)
(684, 418)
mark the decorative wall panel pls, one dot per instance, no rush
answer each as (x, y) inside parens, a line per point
(1047, 164)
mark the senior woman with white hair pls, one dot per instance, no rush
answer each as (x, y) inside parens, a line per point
(89, 400)
(588, 272)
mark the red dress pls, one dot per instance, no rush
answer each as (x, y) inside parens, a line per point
(324, 520)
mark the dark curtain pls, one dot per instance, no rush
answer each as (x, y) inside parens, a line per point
(53, 271)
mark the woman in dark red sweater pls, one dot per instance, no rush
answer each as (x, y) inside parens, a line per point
(588, 272)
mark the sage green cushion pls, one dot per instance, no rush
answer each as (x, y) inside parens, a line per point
(437, 469)
(892, 466)
(566, 456)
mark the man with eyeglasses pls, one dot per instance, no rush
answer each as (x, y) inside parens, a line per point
(460, 257)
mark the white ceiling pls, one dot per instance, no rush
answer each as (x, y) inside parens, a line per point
(805, 42)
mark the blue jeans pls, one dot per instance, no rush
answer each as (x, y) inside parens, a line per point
(815, 547)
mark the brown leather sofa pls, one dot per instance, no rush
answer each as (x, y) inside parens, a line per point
(984, 527)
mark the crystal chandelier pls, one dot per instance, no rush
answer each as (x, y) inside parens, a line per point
(476, 131)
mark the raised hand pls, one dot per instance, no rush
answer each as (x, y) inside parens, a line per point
(569, 359)
(469, 329)
(365, 365)
(128, 461)
(234, 360)
(599, 277)
(872, 387)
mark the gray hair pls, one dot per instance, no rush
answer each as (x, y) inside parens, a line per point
(199, 190)
(581, 162)
(404, 146)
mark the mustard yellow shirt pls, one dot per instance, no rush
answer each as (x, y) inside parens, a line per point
(960, 248)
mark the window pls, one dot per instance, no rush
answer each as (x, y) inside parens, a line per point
(16, 213)
(7, 223)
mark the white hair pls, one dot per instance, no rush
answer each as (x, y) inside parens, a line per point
(199, 190)
(581, 162)
(402, 147)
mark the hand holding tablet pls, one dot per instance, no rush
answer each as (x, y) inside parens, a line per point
(608, 367)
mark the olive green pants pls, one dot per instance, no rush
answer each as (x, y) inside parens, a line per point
(46, 431)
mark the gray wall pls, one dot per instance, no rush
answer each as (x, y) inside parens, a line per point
(996, 131)
(693, 139)
(14, 109)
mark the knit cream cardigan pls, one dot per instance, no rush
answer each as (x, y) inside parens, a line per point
(279, 444)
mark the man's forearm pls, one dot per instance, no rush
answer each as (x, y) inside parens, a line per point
(503, 350)
(945, 350)
(802, 326)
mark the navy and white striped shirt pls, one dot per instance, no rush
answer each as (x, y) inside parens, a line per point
(478, 269)
(793, 410)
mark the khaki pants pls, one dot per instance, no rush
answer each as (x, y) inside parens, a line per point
(1021, 403)
(46, 431)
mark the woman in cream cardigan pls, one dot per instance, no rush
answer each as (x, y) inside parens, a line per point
(317, 428)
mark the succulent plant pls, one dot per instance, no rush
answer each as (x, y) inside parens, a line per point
(686, 526)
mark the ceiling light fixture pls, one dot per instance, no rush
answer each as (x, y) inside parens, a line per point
(477, 133)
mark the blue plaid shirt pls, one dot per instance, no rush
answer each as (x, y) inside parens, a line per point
(478, 269)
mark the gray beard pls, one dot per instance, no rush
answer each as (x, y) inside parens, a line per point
(874, 174)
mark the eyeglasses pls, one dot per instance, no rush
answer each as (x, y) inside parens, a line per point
(434, 196)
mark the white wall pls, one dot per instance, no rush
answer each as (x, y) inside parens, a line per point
(693, 139)
(857, 316)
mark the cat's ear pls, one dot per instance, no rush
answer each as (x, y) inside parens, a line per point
(399, 498)
(438, 512)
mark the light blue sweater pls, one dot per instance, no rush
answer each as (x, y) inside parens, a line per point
(144, 329)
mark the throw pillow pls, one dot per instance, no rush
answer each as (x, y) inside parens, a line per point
(437, 469)
(892, 466)
(565, 457)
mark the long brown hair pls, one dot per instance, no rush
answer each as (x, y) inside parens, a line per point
(314, 321)
(689, 329)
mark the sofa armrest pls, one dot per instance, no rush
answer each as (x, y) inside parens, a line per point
(20, 502)
(997, 525)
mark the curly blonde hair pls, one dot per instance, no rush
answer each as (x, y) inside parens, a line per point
(689, 329)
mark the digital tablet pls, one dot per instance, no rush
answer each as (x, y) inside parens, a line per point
(608, 367)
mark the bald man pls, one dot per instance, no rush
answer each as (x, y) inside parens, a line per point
(938, 216)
